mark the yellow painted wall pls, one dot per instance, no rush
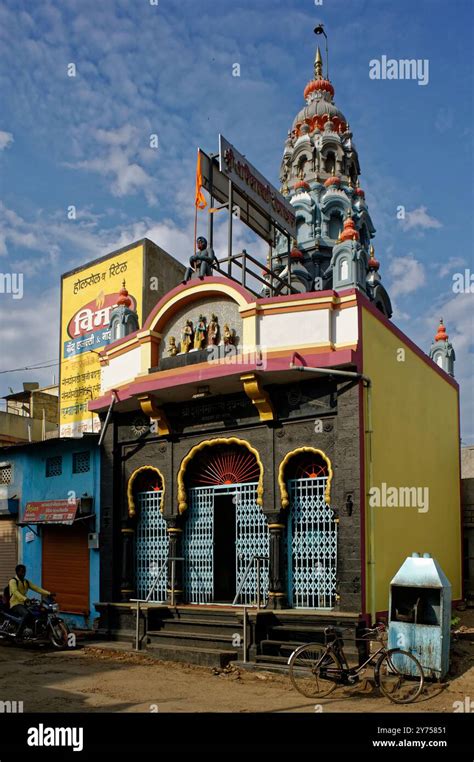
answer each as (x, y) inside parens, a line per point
(415, 443)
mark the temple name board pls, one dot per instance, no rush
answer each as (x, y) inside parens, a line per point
(254, 185)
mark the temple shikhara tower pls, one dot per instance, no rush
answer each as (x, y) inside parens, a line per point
(269, 437)
(319, 174)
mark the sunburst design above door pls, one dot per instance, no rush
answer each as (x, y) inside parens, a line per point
(229, 465)
(311, 470)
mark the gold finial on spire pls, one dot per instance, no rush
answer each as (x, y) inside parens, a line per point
(371, 251)
(318, 65)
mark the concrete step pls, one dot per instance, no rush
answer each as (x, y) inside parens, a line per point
(268, 659)
(278, 648)
(191, 639)
(207, 657)
(217, 627)
(285, 648)
(290, 628)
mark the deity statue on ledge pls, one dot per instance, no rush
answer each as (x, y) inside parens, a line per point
(228, 335)
(200, 333)
(213, 331)
(172, 348)
(187, 337)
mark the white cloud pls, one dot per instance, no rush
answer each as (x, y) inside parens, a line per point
(6, 139)
(119, 150)
(34, 320)
(419, 218)
(408, 275)
(458, 317)
(449, 266)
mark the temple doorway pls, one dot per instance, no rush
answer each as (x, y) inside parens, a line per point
(225, 527)
(224, 548)
(311, 532)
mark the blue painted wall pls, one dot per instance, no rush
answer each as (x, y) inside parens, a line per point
(30, 483)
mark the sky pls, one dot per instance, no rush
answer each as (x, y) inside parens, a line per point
(165, 68)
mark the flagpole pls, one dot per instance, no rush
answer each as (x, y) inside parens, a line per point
(195, 227)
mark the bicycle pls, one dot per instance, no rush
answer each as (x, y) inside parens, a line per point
(316, 670)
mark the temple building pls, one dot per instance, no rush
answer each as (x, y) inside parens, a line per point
(289, 450)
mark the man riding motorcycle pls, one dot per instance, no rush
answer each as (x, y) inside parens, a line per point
(18, 588)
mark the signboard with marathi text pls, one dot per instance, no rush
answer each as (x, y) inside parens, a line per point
(50, 512)
(256, 188)
(88, 296)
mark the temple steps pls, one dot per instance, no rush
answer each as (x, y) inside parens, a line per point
(206, 657)
(191, 639)
(206, 634)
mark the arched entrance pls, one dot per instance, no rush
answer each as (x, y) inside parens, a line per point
(305, 481)
(145, 492)
(224, 525)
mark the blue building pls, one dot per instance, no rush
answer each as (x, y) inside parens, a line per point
(54, 486)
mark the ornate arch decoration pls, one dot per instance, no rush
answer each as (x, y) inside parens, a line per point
(285, 500)
(303, 214)
(301, 150)
(182, 497)
(182, 296)
(333, 203)
(130, 498)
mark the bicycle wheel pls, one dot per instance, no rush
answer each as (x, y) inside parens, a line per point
(314, 670)
(400, 676)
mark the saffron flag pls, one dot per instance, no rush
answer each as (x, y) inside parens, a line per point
(200, 202)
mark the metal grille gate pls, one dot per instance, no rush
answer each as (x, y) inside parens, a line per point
(252, 538)
(312, 545)
(151, 547)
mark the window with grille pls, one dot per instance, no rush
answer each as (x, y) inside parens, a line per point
(6, 474)
(81, 462)
(54, 466)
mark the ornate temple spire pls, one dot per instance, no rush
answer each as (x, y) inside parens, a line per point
(318, 65)
(319, 175)
(124, 298)
(442, 352)
(441, 334)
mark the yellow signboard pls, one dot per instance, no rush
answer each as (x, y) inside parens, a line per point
(88, 297)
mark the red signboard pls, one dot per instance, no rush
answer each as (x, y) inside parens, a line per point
(50, 512)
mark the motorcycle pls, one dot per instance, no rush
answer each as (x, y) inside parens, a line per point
(43, 625)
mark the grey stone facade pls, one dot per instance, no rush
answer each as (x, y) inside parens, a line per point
(123, 453)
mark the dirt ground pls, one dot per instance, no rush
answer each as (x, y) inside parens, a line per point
(95, 679)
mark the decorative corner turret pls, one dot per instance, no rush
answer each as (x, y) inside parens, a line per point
(442, 352)
(374, 288)
(123, 320)
(349, 260)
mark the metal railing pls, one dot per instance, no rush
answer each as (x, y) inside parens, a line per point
(241, 260)
(23, 410)
(257, 560)
(254, 559)
(146, 600)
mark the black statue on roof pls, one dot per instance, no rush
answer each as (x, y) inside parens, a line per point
(202, 261)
